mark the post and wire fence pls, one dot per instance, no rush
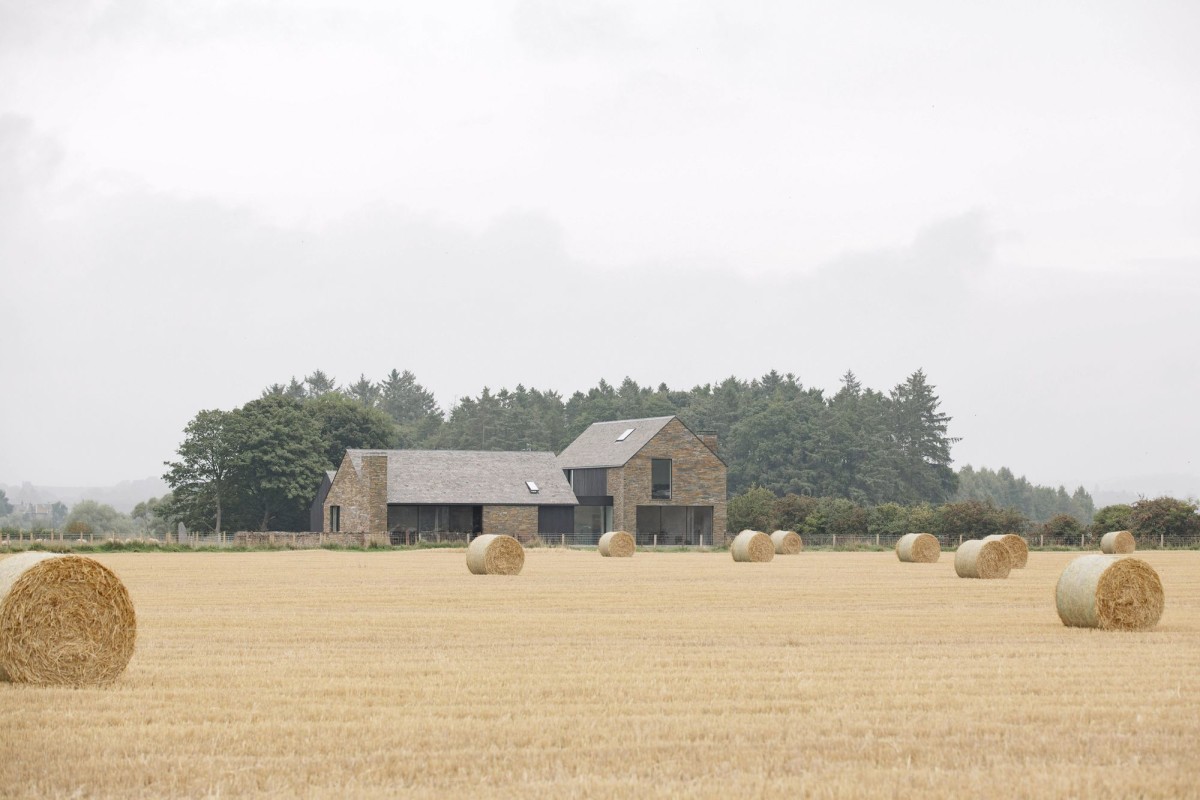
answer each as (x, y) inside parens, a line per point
(650, 541)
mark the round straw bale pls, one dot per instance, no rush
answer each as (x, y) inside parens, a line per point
(1018, 550)
(976, 558)
(1105, 591)
(64, 620)
(617, 544)
(752, 546)
(787, 543)
(1116, 542)
(919, 547)
(495, 554)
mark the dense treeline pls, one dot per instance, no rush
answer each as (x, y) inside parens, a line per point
(1038, 503)
(860, 443)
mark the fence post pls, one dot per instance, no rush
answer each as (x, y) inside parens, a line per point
(1081, 541)
(564, 540)
(1161, 544)
(960, 540)
(834, 546)
(656, 541)
(877, 540)
(1041, 540)
(702, 540)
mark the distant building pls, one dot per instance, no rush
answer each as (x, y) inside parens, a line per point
(653, 477)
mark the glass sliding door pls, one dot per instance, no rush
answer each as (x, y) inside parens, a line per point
(402, 524)
(674, 525)
(699, 525)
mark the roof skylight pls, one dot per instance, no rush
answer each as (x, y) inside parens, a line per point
(624, 435)
(533, 487)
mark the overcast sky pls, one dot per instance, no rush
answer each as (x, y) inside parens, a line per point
(200, 199)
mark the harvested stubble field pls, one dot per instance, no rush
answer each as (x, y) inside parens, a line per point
(671, 675)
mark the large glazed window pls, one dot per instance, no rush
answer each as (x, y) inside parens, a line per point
(335, 518)
(660, 479)
(671, 525)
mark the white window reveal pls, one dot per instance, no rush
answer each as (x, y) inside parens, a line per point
(625, 435)
(533, 487)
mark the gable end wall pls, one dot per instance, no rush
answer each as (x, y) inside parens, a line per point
(698, 478)
(361, 495)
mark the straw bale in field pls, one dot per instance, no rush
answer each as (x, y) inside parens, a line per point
(495, 554)
(617, 544)
(1116, 542)
(977, 558)
(1018, 550)
(752, 546)
(1105, 591)
(787, 543)
(64, 620)
(919, 547)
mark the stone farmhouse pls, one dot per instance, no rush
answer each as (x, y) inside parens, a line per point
(652, 477)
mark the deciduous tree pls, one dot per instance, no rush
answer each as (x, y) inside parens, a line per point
(280, 462)
(753, 509)
(1165, 518)
(97, 518)
(202, 480)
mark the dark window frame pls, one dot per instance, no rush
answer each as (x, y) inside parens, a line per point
(655, 492)
(335, 519)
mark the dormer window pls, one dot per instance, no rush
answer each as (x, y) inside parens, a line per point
(533, 487)
(625, 435)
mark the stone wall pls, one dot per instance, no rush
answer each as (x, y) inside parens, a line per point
(520, 522)
(361, 495)
(375, 471)
(698, 478)
(348, 491)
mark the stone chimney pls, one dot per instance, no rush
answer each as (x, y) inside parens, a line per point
(375, 475)
(709, 438)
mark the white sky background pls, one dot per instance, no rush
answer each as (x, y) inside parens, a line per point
(199, 199)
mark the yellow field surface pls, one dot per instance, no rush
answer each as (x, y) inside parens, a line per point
(665, 675)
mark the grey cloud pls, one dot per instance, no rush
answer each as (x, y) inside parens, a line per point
(162, 306)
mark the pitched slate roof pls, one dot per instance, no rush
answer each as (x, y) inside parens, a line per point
(598, 445)
(471, 477)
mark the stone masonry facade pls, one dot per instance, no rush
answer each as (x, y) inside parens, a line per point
(361, 497)
(698, 478)
(519, 522)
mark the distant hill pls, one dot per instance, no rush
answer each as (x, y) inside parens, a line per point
(122, 496)
(1129, 488)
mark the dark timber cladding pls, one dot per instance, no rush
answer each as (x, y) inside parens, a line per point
(556, 519)
(589, 482)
